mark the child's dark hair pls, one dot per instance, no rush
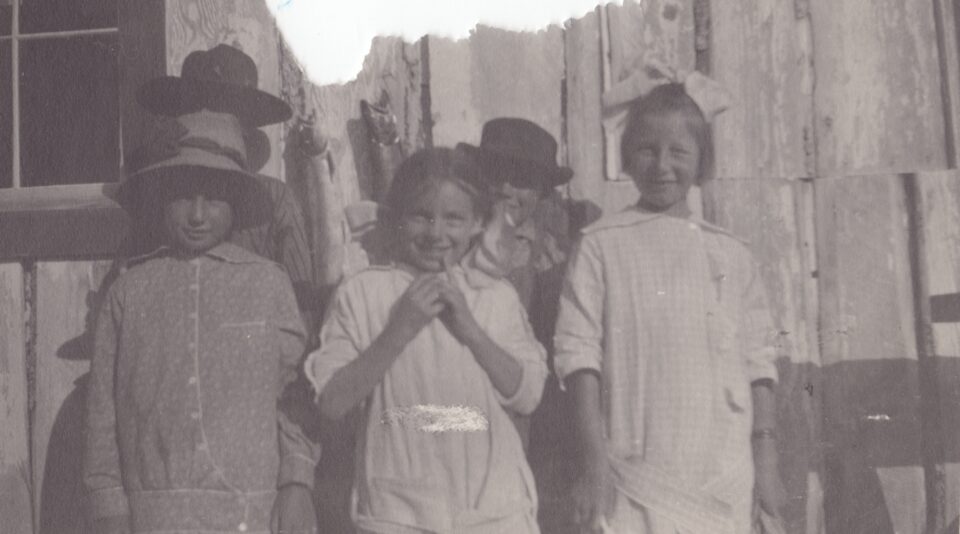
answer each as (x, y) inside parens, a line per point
(670, 98)
(430, 167)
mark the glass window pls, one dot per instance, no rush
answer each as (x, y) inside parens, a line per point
(60, 122)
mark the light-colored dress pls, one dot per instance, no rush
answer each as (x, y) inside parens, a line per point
(436, 450)
(672, 313)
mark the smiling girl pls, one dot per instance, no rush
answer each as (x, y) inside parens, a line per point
(434, 353)
(664, 340)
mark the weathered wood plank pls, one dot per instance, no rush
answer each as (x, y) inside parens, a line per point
(245, 24)
(66, 304)
(771, 214)
(584, 139)
(877, 96)
(760, 52)
(869, 351)
(16, 509)
(495, 73)
(940, 197)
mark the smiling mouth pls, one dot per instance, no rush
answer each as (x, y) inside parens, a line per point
(196, 235)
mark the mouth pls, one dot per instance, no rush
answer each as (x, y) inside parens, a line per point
(196, 235)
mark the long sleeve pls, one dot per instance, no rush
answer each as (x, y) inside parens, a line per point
(339, 344)
(299, 443)
(101, 464)
(579, 332)
(756, 330)
(519, 342)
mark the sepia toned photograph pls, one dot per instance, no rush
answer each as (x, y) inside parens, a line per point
(661, 267)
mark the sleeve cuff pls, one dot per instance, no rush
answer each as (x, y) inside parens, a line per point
(296, 469)
(525, 400)
(108, 502)
(762, 365)
(565, 364)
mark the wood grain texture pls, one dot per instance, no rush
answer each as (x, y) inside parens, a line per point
(495, 73)
(584, 135)
(760, 52)
(877, 97)
(245, 24)
(869, 354)
(16, 485)
(66, 303)
(940, 197)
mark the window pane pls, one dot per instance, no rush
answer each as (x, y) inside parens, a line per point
(60, 15)
(6, 121)
(6, 10)
(69, 111)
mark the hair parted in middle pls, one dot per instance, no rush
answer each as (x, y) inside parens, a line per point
(661, 100)
(426, 169)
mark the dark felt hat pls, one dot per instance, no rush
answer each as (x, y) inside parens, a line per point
(519, 152)
(221, 79)
(211, 147)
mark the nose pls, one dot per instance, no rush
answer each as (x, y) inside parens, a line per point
(663, 161)
(435, 228)
(198, 210)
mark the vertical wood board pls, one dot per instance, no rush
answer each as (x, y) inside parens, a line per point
(495, 73)
(869, 352)
(877, 97)
(66, 302)
(760, 52)
(15, 476)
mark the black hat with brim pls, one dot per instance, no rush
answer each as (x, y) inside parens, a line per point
(518, 152)
(222, 79)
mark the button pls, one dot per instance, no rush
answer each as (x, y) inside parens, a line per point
(195, 415)
(194, 287)
(242, 527)
(693, 226)
(192, 315)
(192, 380)
(201, 446)
(191, 345)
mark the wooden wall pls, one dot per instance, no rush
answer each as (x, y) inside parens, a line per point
(837, 162)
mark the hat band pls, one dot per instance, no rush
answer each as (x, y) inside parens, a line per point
(211, 146)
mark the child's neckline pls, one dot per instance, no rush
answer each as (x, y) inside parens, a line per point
(678, 211)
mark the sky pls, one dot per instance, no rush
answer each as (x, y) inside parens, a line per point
(331, 38)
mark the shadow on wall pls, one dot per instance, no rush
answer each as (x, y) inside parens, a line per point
(62, 493)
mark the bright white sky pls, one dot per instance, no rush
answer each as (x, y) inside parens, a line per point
(331, 37)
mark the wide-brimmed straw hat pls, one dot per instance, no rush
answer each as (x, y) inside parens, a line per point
(518, 152)
(211, 148)
(220, 79)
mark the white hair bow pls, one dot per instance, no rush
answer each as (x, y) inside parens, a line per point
(705, 92)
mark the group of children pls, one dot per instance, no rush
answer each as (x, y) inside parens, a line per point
(196, 422)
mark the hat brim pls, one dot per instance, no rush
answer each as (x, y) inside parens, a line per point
(517, 171)
(174, 96)
(249, 199)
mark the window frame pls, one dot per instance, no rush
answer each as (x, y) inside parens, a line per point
(84, 220)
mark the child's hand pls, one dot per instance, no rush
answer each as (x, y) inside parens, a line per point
(456, 314)
(418, 305)
(593, 498)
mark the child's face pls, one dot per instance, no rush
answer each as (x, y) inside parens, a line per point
(664, 161)
(520, 203)
(437, 228)
(197, 219)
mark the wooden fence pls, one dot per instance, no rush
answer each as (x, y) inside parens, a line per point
(838, 163)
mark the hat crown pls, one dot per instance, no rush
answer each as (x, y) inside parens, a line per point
(521, 139)
(223, 64)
